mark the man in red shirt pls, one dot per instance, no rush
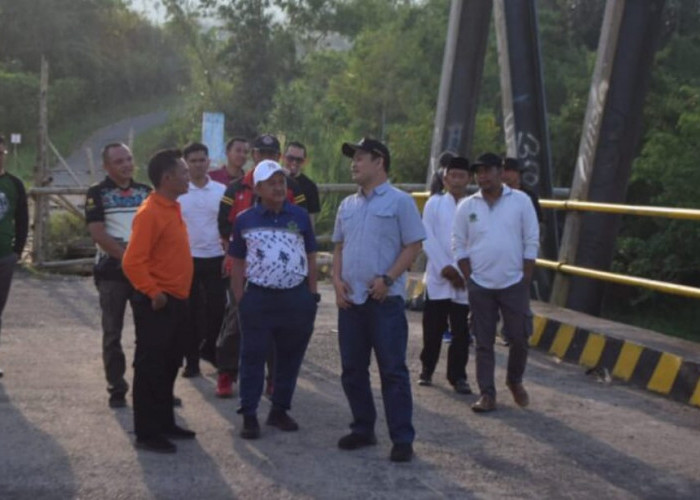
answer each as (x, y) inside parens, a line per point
(236, 157)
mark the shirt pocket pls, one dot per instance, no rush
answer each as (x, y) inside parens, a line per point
(383, 228)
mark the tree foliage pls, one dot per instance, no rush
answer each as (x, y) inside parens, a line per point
(100, 54)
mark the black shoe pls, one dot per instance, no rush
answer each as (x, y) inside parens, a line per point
(177, 432)
(401, 452)
(191, 372)
(251, 427)
(280, 419)
(425, 380)
(461, 386)
(117, 400)
(157, 444)
(354, 441)
(177, 402)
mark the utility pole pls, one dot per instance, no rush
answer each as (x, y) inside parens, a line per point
(41, 211)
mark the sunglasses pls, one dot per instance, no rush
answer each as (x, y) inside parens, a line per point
(297, 159)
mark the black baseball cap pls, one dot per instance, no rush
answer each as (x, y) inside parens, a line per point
(369, 145)
(512, 164)
(487, 160)
(445, 157)
(267, 142)
(458, 163)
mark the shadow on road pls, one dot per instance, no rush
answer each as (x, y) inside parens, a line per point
(47, 474)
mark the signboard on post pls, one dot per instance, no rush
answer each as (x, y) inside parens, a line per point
(213, 137)
(15, 138)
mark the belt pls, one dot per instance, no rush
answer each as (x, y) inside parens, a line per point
(253, 286)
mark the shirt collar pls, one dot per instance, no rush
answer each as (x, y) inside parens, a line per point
(162, 200)
(506, 190)
(110, 183)
(206, 186)
(260, 209)
(378, 190)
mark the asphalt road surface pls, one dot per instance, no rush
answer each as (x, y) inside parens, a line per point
(579, 438)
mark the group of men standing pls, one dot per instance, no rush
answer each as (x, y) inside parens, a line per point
(170, 252)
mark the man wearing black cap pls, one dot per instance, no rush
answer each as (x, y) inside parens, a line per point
(495, 239)
(512, 176)
(377, 235)
(446, 296)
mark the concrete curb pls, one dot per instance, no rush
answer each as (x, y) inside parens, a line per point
(649, 360)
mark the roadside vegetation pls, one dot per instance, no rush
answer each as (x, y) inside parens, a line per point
(328, 71)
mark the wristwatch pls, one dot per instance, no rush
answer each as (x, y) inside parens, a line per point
(387, 280)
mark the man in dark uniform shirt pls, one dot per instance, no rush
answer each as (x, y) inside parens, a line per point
(294, 160)
(110, 207)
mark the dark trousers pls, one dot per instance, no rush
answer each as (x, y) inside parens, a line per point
(207, 304)
(382, 327)
(7, 268)
(436, 314)
(280, 318)
(114, 295)
(160, 340)
(513, 304)
(228, 343)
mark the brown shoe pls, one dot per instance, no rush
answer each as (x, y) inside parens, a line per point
(519, 394)
(484, 404)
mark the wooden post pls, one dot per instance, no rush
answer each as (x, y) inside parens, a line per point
(41, 168)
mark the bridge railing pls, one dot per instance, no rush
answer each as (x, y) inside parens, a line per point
(58, 194)
(613, 208)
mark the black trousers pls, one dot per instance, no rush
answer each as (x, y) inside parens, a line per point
(436, 314)
(160, 340)
(207, 304)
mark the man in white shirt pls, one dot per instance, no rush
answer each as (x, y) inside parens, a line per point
(446, 295)
(200, 207)
(495, 238)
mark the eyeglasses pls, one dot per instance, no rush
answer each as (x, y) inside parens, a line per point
(297, 159)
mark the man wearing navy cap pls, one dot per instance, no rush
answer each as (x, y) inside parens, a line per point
(495, 239)
(377, 235)
(273, 281)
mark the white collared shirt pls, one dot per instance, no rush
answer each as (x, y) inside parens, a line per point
(496, 238)
(200, 208)
(438, 217)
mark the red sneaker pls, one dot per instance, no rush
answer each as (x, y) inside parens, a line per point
(224, 387)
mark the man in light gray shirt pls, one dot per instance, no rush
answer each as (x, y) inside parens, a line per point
(495, 238)
(378, 233)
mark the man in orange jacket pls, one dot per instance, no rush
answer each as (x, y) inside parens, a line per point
(159, 265)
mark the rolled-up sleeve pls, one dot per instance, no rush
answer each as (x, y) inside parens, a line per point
(410, 223)
(338, 228)
(460, 232)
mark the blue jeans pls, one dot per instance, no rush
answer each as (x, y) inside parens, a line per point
(285, 319)
(382, 327)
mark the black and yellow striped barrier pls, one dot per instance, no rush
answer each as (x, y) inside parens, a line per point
(651, 369)
(648, 368)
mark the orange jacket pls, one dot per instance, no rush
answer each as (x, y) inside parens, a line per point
(158, 258)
